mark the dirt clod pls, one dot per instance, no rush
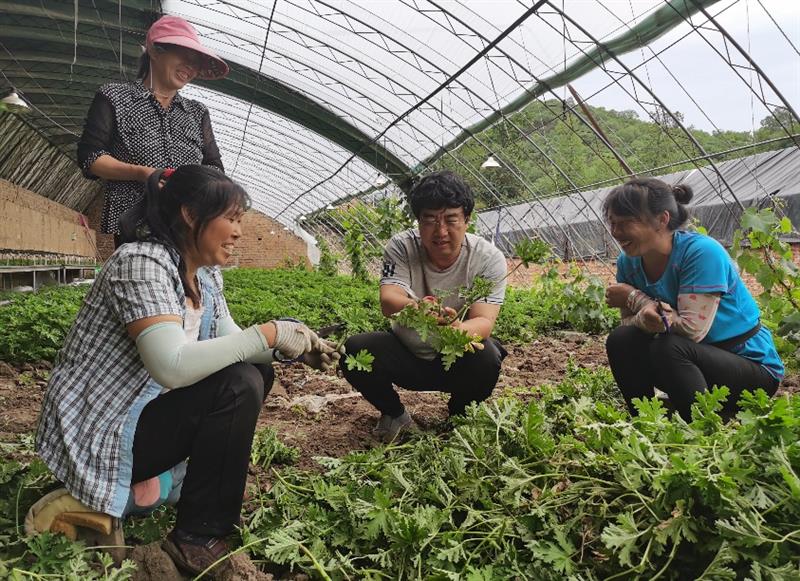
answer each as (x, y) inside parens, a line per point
(239, 567)
(153, 564)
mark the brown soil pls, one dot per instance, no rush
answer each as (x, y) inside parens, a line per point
(343, 425)
(153, 563)
(21, 392)
(239, 567)
(346, 424)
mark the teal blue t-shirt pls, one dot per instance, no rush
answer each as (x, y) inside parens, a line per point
(699, 264)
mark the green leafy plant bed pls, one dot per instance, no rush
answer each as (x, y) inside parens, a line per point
(555, 302)
(35, 324)
(760, 252)
(554, 482)
(268, 449)
(565, 486)
(256, 296)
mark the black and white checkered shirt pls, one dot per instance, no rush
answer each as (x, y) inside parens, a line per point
(127, 122)
(99, 383)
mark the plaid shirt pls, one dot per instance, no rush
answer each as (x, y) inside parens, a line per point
(99, 385)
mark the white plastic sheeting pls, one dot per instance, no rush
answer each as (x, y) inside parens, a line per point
(572, 224)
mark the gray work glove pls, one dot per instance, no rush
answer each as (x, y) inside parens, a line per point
(325, 356)
(293, 339)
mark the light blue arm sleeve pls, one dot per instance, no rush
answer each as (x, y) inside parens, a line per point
(227, 326)
(173, 361)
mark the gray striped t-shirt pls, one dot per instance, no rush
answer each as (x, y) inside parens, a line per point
(405, 264)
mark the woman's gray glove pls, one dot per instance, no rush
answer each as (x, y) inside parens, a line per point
(325, 356)
(293, 339)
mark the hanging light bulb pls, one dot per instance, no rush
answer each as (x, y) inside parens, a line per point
(14, 103)
(490, 162)
(330, 207)
(300, 218)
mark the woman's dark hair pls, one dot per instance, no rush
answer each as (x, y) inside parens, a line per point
(144, 66)
(647, 198)
(204, 191)
(442, 189)
(144, 60)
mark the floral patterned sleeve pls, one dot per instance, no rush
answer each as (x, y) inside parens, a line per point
(696, 312)
(693, 319)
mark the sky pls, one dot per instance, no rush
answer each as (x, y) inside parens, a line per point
(723, 96)
(723, 100)
(368, 77)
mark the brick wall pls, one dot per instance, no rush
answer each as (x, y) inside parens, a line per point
(32, 223)
(94, 213)
(265, 244)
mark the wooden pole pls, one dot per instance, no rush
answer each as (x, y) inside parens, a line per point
(596, 125)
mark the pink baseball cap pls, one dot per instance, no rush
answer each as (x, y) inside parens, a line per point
(175, 30)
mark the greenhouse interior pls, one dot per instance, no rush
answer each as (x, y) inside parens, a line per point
(552, 247)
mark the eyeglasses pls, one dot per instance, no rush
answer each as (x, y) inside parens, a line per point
(450, 222)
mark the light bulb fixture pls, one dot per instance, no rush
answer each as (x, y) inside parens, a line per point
(490, 162)
(14, 103)
(300, 218)
(330, 207)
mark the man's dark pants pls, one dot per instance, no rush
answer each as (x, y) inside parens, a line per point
(470, 379)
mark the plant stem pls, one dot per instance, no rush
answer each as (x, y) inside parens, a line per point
(320, 569)
(228, 556)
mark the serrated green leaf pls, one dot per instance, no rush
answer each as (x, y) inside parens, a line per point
(624, 537)
(361, 361)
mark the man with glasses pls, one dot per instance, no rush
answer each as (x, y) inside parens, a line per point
(438, 257)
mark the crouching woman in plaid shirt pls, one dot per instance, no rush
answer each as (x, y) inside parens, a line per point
(155, 371)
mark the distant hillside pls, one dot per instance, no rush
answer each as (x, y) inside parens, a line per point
(534, 136)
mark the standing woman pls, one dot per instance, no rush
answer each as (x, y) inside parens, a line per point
(134, 127)
(154, 371)
(688, 321)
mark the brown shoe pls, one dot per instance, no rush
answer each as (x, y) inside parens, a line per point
(194, 555)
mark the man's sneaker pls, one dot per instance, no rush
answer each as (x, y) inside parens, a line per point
(389, 428)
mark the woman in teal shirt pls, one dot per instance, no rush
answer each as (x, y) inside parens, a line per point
(688, 321)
